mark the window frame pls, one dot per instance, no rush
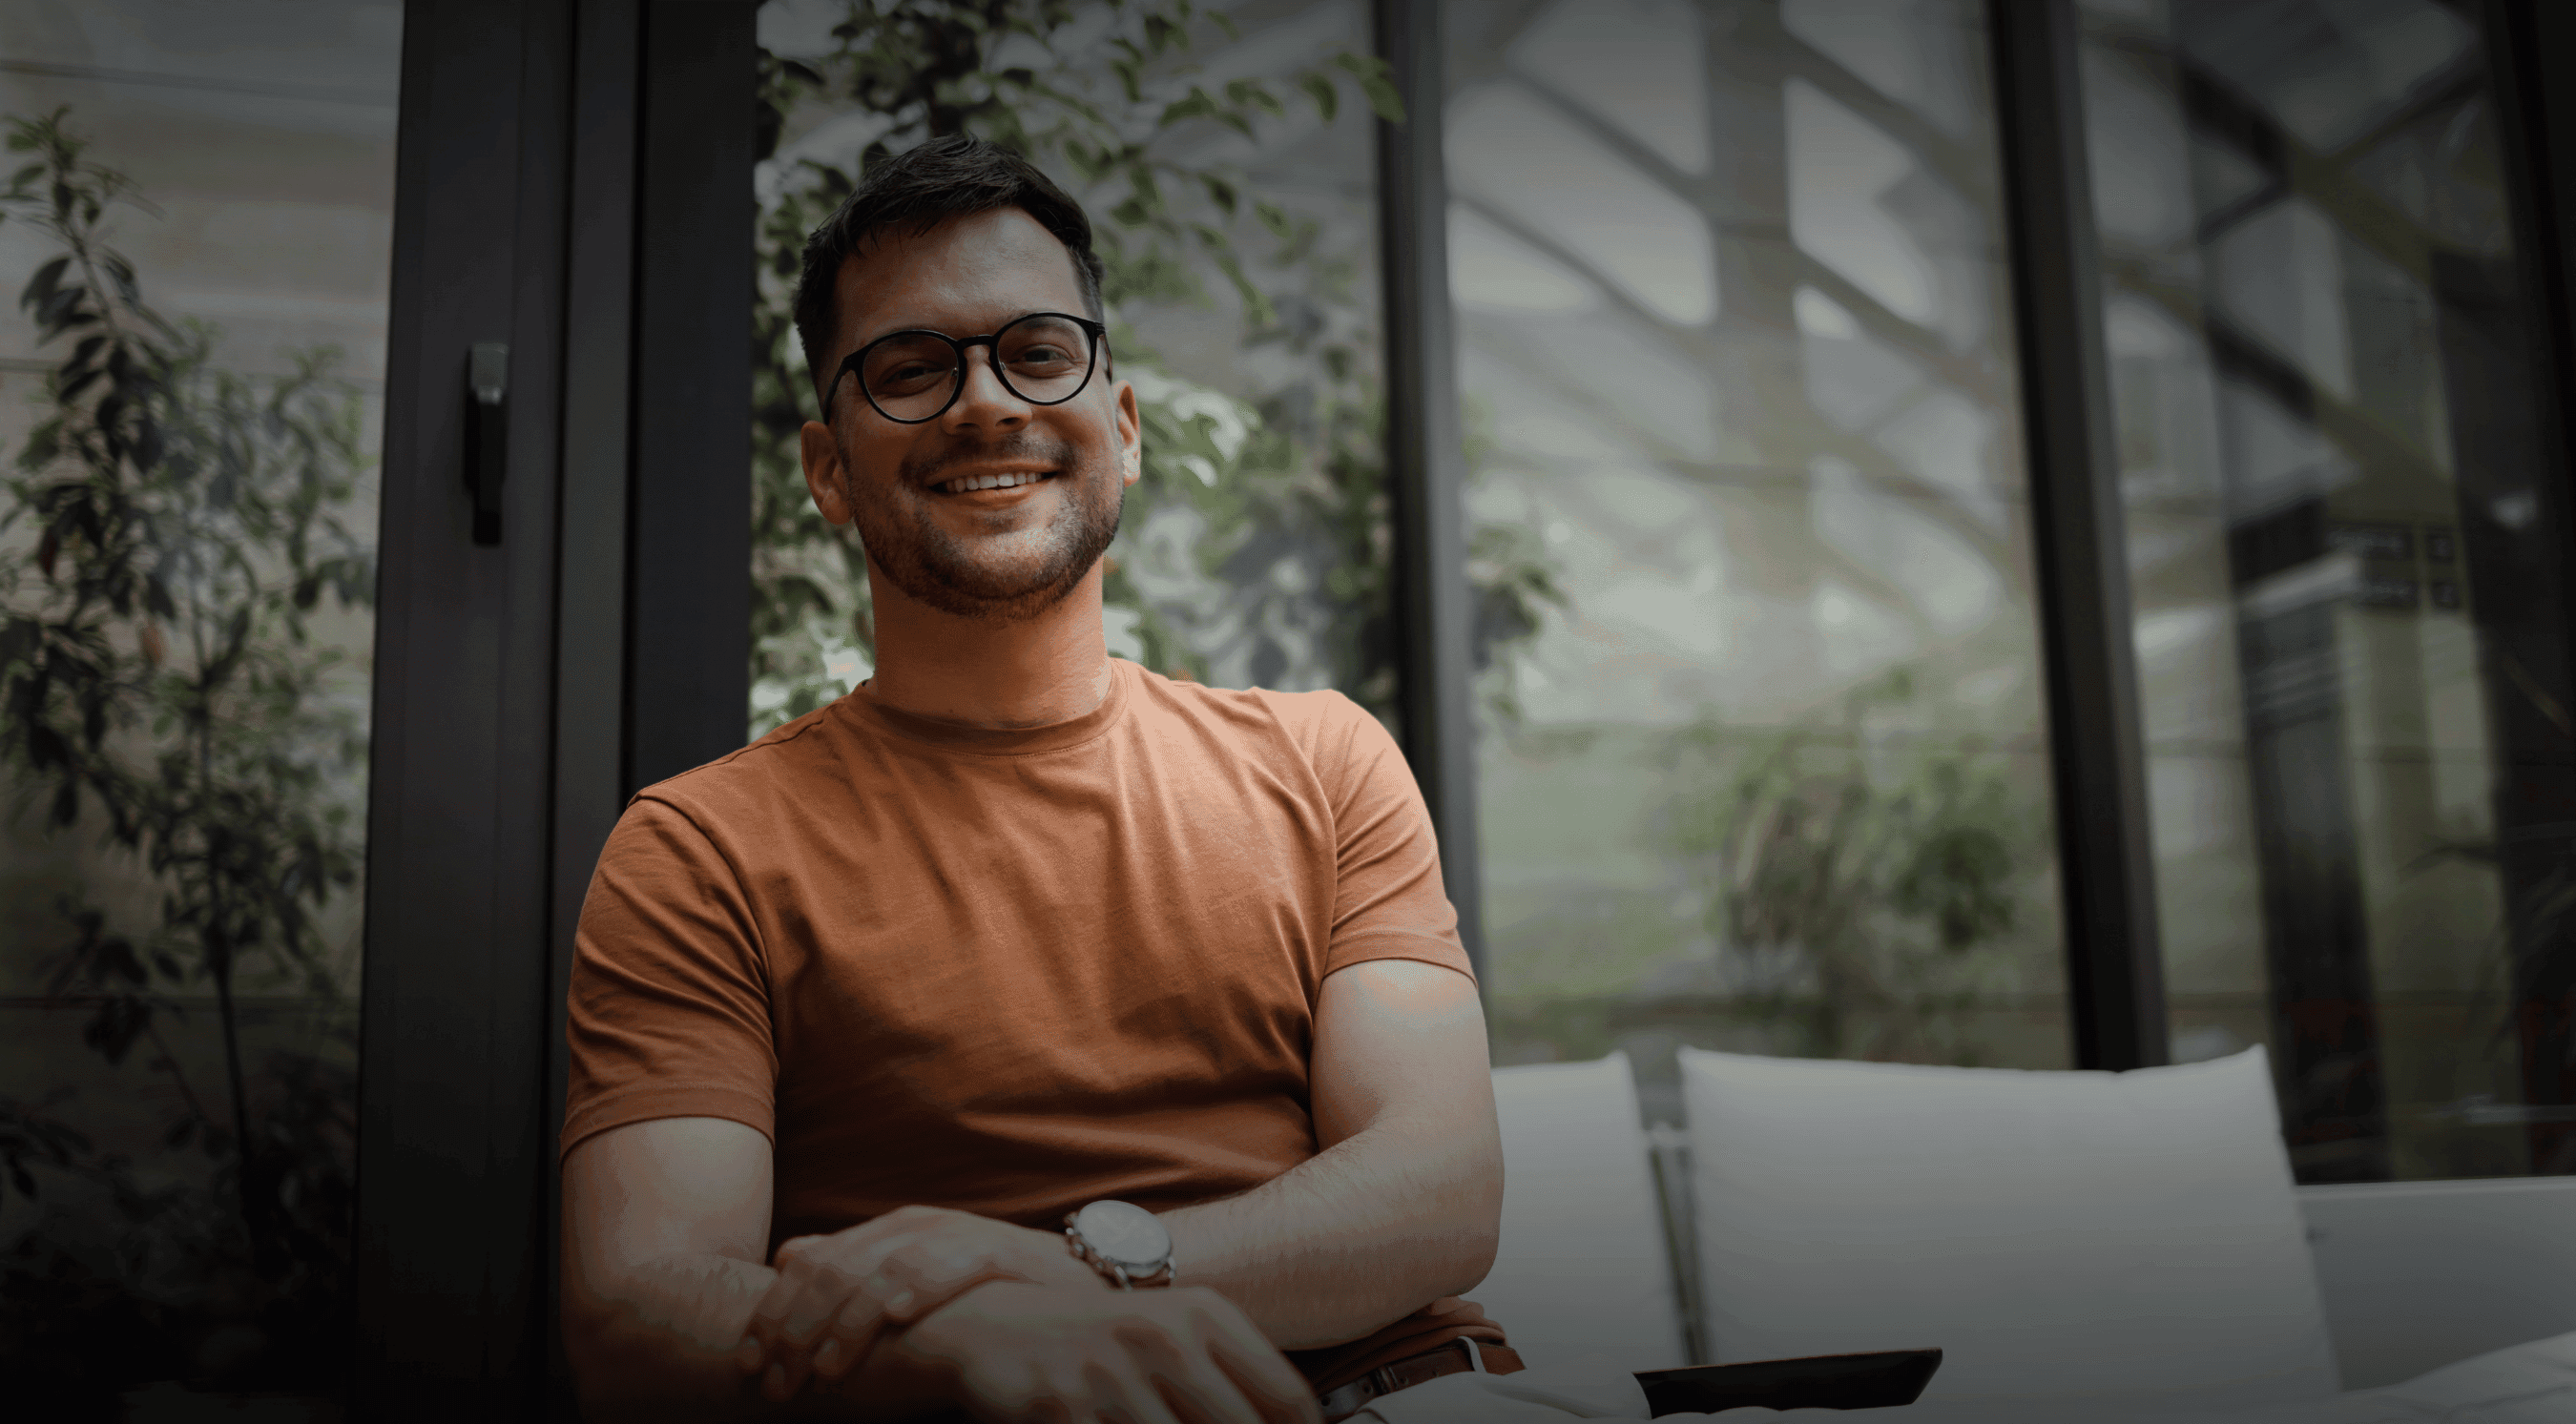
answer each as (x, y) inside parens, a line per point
(567, 169)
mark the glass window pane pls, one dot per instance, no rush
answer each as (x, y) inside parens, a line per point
(1242, 302)
(1764, 760)
(190, 412)
(2346, 560)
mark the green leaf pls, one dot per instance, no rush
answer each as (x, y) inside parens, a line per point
(40, 288)
(122, 273)
(1376, 83)
(1319, 88)
(1252, 93)
(1189, 106)
(43, 444)
(56, 308)
(1219, 192)
(1257, 309)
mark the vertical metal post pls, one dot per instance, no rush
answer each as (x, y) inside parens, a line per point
(2529, 43)
(1434, 613)
(590, 633)
(2115, 977)
(688, 644)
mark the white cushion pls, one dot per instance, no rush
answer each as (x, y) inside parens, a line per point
(2124, 1237)
(2416, 1275)
(1582, 1269)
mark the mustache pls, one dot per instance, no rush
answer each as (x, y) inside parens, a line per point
(1025, 445)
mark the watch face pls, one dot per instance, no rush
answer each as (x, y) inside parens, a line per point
(1124, 1233)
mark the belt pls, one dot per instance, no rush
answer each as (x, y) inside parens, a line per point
(1459, 1356)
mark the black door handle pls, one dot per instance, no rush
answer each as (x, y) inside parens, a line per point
(487, 435)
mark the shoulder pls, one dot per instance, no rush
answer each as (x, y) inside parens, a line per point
(1319, 723)
(750, 782)
(1321, 738)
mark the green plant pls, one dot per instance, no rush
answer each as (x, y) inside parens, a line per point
(160, 676)
(1255, 546)
(1865, 885)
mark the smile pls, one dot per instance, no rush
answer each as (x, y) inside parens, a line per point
(969, 483)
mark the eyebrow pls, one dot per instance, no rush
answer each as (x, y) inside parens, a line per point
(865, 342)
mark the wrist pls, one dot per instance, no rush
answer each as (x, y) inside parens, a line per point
(1126, 1244)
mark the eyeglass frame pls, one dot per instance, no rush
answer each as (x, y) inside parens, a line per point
(992, 344)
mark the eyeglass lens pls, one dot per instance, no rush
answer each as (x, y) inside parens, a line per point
(914, 375)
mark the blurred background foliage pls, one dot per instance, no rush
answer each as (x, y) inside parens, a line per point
(1864, 886)
(1254, 551)
(160, 680)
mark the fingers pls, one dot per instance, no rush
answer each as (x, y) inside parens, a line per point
(836, 1296)
(791, 1359)
(1188, 1356)
(1189, 1384)
(1200, 1356)
(910, 1283)
(1259, 1374)
(851, 1335)
(808, 1294)
(763, 1331)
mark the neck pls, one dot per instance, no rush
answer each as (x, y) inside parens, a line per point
(1052, 668)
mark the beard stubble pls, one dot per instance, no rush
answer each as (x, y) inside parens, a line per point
(938, 569)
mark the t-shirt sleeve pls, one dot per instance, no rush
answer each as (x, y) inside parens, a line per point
(668, 1013)
(1388, 901)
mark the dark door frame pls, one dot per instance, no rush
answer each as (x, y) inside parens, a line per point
(448, 1234)
(569, 172)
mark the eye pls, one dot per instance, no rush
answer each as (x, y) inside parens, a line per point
(909, 373)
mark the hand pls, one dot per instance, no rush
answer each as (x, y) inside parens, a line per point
(837, 1295)
(1013, 1353)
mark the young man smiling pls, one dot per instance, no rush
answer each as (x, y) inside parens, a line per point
(907, 1037)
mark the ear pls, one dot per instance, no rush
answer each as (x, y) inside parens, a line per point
(1131, 426)
(823, 478)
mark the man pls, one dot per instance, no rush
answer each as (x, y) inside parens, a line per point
(861, 1013)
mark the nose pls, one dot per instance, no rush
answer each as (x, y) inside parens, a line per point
(985, 403)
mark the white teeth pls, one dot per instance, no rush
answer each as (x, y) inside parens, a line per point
(985, 482)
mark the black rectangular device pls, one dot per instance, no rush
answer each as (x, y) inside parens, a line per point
(1873, 1381)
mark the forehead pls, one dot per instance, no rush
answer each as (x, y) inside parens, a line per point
(965, 276)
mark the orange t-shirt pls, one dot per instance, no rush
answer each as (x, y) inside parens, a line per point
(1010, 972)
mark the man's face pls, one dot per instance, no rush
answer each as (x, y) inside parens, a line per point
(999, 555)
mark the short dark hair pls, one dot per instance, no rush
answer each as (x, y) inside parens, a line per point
(952, 176)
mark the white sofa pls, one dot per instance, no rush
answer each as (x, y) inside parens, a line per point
(1600, 1256)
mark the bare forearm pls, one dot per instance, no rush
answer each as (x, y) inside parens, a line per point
(661, 1345)
(1360, 1235)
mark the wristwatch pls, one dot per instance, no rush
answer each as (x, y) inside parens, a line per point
(1122, 1241)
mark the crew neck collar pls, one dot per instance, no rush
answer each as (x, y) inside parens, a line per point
(995, 741)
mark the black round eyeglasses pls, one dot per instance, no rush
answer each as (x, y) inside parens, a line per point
(1044, 358)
